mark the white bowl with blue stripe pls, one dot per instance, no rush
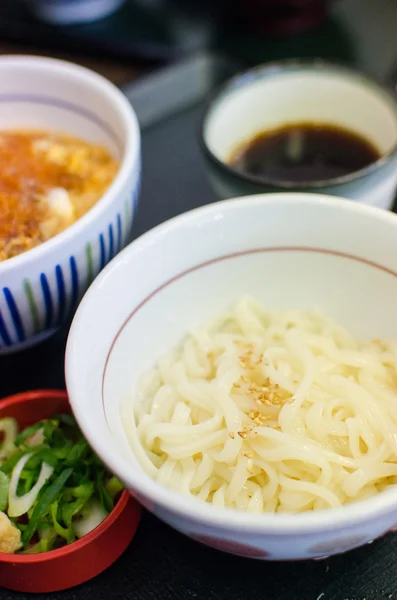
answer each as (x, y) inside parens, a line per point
(40, 289)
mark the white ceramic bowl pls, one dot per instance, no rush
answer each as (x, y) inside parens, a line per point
(288, 250)
(302, 91)
(40, 289)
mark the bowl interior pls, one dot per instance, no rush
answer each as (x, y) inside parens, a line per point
(289, 250)
(29, 407)
(270, 97)
(39, 93)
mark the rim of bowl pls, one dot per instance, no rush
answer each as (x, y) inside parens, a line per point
(191, 509)
(121, 504)
(131, 153)
(273, 69)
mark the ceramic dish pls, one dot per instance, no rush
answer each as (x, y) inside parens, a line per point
(40, 288)
(287, 250)
(292, 92)
(84, 559)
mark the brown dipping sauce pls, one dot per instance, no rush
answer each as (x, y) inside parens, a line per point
(304, 152)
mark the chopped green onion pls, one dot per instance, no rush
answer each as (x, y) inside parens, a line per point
(94, 515)
(19, 505)
(65, 532)
(51, 477)
(114, 487)
(4, 487)
(48, 536)
(72, 509)
(26, 433)
(84, 490)
(67, 420)
(9, 429)
(8, 466)
(104, 496)
(44, 503)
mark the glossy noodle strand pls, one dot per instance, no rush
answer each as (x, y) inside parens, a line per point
(276, 411)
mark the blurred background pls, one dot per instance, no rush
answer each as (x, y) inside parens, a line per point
(125, 38)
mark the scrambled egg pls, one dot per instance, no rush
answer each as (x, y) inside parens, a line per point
(10, 536)
(61, 213)
(48, 181)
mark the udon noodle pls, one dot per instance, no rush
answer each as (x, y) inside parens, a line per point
(277, 411)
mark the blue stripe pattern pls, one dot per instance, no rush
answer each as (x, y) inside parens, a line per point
(4, 332)
(102, 259)
(59, 289)
(61, 293)
(47, 297)
(14, 312)
(119, 233)
(111, 242)
(75, 281)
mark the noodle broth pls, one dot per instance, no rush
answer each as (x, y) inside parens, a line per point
(48, 181)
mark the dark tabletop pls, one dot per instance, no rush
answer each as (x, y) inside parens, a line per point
(161, 564)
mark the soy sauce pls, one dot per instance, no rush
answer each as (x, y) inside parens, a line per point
(304, 152)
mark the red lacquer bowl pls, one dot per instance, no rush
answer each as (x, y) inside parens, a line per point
(84, 559)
